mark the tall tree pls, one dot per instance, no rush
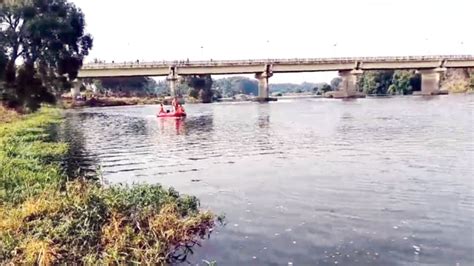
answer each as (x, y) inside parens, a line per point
(49, 38)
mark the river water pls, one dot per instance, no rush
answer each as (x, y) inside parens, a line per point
(305, 182)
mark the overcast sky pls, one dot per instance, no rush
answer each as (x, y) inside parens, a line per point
(249, 29)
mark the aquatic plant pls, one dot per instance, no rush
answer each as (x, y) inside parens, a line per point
(46, 219)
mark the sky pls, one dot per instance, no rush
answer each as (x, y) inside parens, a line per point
(149, 30)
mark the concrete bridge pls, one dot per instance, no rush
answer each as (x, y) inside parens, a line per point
(430, 68)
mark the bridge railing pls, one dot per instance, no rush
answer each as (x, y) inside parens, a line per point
(164, 63)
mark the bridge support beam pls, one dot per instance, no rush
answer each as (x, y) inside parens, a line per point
(173, 79)
(430, 80)
(349, 83)
(348, 86)
(263, 85)
(173, 84)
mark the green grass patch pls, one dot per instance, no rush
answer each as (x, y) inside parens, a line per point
(46, 219)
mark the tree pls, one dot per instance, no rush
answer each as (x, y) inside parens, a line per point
(200, 87)
(129, 85)
(335, 82)
(415, 82)
(376, 82)
(401, 83)
(326, 87)
(236, 85)
(48, 36)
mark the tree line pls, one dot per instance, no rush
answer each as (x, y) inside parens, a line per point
(206, 89)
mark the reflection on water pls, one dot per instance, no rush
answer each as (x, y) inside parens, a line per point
(311, 182)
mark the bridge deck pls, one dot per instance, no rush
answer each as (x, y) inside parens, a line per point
(218, 67)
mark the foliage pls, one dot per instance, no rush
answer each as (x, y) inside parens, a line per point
(231, 86)
(457, 80)
(45, 45)
(296, 88)
(326, 87)
(128, 85)
(376, 82)
(335, 82)
(401, 83)
(46, 219)
(382, 82)
(200, 87)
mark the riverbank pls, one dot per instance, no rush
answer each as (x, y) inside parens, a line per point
(48, 218)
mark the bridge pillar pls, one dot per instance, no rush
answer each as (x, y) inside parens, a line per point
(430, 80)
(348, 86)
(263, 86)
(173, 79)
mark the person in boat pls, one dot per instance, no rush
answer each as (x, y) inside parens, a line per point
(162, 110)
(174, 104)
(180, 109)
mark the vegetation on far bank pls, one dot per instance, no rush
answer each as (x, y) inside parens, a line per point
(45, 218)
(376, 82)
(405, 82)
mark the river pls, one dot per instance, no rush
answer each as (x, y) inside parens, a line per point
(305, 182)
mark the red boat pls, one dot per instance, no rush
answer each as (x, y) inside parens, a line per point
(171, 114)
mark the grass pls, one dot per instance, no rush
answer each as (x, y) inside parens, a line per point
(7, 115)
(46, 219)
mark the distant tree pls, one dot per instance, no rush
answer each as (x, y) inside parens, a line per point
(326, 87)
(335, 82)
(217, 94)
(236, 85)
(376, 82)
(200, 86)
(401, 83)
(141, 86)
(248, 86)
(193, 93)
(49, 38)
(415, 82)
(98, 85)
(292, 87)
